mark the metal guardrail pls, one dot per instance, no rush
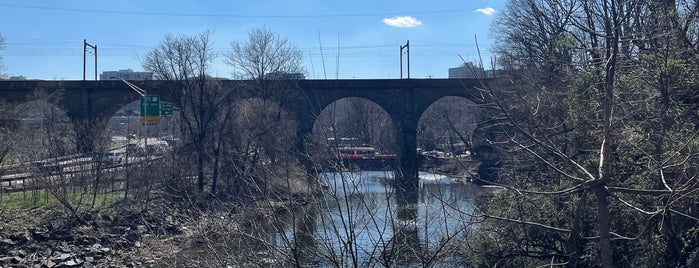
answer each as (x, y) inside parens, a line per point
(9, 178)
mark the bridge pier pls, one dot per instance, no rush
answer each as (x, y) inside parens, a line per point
(406, 173)
(304, 131)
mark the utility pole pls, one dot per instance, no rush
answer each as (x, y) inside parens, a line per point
(94, 48)
(407, 49)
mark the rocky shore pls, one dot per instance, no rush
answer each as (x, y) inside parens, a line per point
(123, 235)
(116, 239)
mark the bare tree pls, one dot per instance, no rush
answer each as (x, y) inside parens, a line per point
(272, 64)
(264, 57)
(592, 155)
(187, 61)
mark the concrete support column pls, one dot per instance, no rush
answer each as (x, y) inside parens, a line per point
(305, 130)
(406, 174)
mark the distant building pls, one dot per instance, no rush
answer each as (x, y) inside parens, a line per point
(467, 70)
(284, 76)
(126, 74)
(18, 77)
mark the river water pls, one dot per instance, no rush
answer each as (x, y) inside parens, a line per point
(363, 221)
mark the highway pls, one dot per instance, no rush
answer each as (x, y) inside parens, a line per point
(14, 177)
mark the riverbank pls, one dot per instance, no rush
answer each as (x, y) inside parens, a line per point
(111, 237)
(176, 230)
(128, 233)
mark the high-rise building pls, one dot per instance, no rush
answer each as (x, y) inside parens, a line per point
(126, 74)
(285, 76)
(17, 77)
(467, 70)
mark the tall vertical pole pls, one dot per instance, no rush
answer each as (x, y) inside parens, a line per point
(95, 47)
(401, 62)
(407, 48)
(84, 57)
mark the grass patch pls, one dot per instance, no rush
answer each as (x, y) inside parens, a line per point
(44, 199)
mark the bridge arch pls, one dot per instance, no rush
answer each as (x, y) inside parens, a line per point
(43, 128)
(448, 124)
(360, 120)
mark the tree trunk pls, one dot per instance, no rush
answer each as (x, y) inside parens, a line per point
(605, 241)
(200, 168)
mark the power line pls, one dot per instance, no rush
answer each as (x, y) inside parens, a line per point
(232, 15)
(66, 47)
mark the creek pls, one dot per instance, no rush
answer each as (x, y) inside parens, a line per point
(363, 221)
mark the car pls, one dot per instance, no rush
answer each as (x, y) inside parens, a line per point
(48, 166)
(167, 138)
(112, 158)
(162, 145)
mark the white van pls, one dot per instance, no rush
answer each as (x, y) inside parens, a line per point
(112, 158)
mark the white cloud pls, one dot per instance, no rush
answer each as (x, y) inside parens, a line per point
(486, 10)
(402, 22)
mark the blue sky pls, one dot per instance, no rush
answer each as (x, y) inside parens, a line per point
(359, 39)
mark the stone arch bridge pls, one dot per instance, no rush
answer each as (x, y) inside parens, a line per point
(404, 100)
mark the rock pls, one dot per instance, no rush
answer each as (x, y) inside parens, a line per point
(5, 245)
(16, 260)
(18, 252)
(7, 242)
(40, 236)
(41, 250)
(48, 263)
(22, 253)
(62, 257)
(96, 247)
(21, 238)
(87, 240)
(70, 263)
(66, 237)
(11, 260)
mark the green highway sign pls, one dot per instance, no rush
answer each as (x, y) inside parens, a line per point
(165, 108)
(150, 109)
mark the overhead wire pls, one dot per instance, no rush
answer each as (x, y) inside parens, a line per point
(64, 48)
(232, 15)
(31, 47)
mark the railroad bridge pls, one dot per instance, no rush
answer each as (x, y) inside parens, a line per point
(91, 102)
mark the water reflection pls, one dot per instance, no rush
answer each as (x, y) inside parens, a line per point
(405, 244)
(362, 220)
